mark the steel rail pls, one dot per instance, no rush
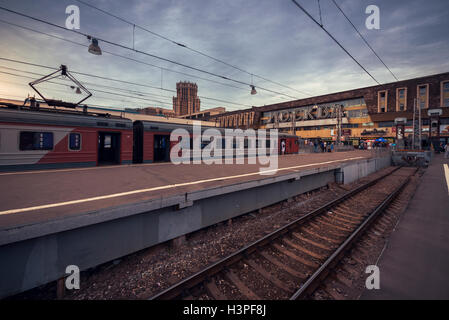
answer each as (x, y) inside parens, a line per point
(179, 288)
(313, 281)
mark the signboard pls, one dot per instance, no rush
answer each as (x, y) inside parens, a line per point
(373, 132)
(444, 128)
(410, 129)
(312, 112)
(304, 113)
(346, 132)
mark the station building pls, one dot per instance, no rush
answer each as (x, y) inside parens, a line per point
(369, 113)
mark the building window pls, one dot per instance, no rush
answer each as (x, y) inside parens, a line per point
(445, 94)
(423, 96)
(382, 101)
(35, 140)
(74, 141)
(401, 99)
(386, 124)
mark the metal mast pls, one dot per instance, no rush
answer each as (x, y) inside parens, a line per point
(417, 130)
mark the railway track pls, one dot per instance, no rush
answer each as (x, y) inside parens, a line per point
(347, 279)
(290, 262)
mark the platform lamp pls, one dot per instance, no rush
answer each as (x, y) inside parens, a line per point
(253, 88)
(94, 48)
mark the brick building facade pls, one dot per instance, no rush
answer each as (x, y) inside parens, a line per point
(370, 111)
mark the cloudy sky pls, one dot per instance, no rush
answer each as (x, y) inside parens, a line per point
(269, 38)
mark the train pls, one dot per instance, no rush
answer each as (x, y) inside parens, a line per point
(51, 138)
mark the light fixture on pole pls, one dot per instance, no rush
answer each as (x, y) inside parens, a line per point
(253, 88)
(93, 47)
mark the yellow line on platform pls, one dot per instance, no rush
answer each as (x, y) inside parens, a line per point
(115, 195)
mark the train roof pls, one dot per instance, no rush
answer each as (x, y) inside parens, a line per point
(169, 126)
(20, 114)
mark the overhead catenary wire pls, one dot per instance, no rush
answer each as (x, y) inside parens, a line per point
(112, 79)
(122, 56)
(91, 105)
(335, 40)
(93, 84)
(319, 10)
(139, 93)
(127, 58)
(363, 38)
(134, 25)
(97, 90)
(141, 52)
(137, 104)
(165, 104)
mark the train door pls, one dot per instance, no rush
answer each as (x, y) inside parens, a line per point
(138, 142)
(283, 146)
(108, 148)
(161, 148)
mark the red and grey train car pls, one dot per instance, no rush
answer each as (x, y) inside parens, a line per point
(152, 141)
(52, 138)
(43, 139)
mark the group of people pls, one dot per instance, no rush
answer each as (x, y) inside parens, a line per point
(446, 150)
(366, 145)
(322, 146)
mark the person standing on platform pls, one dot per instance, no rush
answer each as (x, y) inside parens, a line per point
(446, 151)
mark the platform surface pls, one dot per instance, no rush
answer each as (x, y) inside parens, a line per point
(415, 263)
(37, 196)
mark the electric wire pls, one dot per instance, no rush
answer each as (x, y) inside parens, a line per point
(123, 57)
(138, 93)
(363, 38)
(188, 47)
(335, 40)
(141, 52)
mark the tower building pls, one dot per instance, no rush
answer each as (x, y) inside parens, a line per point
(186, 102)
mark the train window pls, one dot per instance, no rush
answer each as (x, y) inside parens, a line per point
(35, 140)
(107, 141)
(75, 141)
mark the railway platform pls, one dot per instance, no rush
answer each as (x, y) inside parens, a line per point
(415, 262)
(32, 197)
(88, 216)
